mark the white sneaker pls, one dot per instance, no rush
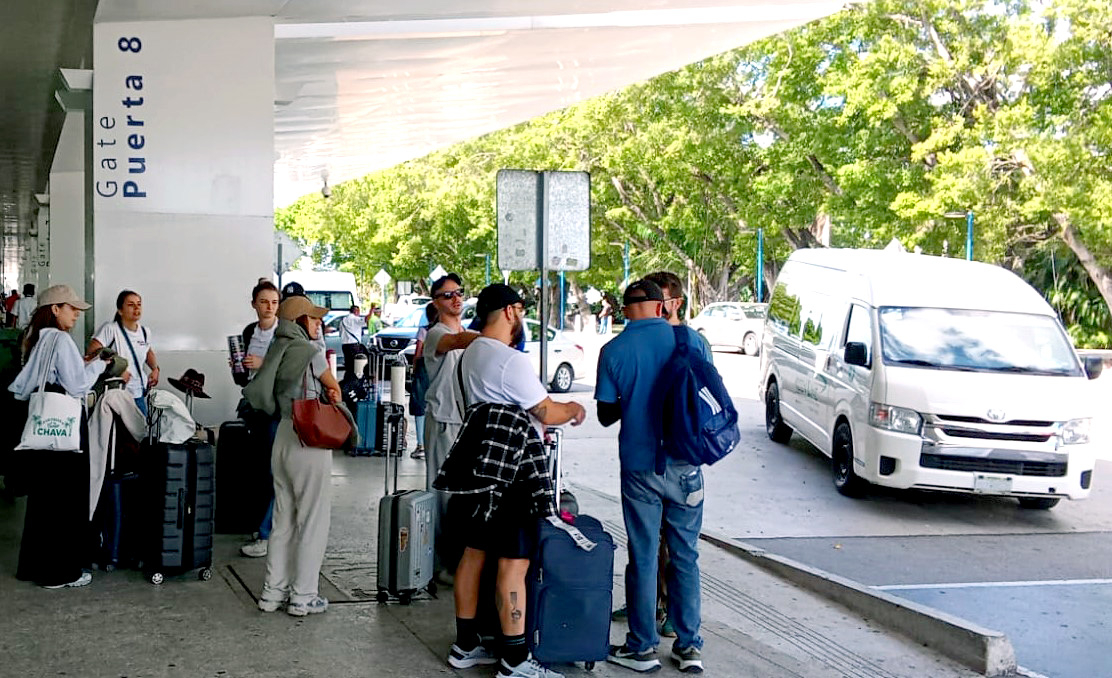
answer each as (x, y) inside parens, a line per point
(256, 549)
(85, 579)
(478, 656)
(271, 605)
(315, 606)
(529, 668)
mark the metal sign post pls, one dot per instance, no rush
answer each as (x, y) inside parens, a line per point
(544, 223)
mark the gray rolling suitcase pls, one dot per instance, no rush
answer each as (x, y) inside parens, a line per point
(405, 528)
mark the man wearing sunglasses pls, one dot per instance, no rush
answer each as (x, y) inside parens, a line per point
(443, 403)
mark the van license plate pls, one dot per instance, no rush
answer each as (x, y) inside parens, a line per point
(991, 484)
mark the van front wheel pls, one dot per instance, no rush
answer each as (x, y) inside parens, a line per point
(778, 431)
(846, 479)
(1039, 503)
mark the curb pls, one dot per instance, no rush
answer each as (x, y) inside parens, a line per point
(986, 651)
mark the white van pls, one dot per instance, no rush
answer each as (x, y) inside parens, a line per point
(334, 290)
(914, 371)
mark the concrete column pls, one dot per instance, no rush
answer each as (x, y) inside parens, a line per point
(183, 154)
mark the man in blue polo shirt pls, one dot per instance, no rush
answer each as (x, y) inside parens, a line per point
(627, 370)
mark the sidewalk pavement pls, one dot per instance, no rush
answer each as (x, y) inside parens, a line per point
(122, 626)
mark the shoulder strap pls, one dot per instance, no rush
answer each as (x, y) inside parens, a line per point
(683, 342)
(49, 362)
(461, 404)
(138, 367)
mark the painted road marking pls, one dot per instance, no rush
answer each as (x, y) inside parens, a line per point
(994, 584)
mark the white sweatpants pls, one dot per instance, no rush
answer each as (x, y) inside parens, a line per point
(302, 515)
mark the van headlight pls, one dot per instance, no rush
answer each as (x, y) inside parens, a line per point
(891, 418)
(1075, 431)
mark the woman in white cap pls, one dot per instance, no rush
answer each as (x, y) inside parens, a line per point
(57, 521)
(295, 368)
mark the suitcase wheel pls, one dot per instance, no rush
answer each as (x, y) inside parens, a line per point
(431, 588)
(590, 666)
(404, 597)
(157, 578)
(205, 574)
(382, 596)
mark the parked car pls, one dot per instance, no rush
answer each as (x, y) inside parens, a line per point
(734, 324)
(403, 334)
(913, 371)
(396, 312)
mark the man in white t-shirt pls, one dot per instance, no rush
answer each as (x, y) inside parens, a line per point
(492, 371)
(351, 335)
(443, 407)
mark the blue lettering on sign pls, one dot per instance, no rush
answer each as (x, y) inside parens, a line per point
(136, 165)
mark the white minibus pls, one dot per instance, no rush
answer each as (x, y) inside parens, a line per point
(913, 371)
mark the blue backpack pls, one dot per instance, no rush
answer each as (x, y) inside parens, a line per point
(697, 422)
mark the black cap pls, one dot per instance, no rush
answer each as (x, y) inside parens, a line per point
(641, 290)
(454, 277)
(292, 289)
(494, 297)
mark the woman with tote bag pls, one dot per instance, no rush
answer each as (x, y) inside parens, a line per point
(295, 371)
(55, 528)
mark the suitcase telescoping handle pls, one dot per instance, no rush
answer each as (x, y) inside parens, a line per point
(386, 412)
(554, 440)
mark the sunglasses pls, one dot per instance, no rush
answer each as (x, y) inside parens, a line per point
(450, 295)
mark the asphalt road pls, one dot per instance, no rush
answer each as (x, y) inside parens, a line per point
(1042, 577)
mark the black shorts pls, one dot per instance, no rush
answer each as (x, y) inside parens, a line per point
(510, 533)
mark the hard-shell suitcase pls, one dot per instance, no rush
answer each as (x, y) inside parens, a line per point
(182, 490)
(366, 417)
(569, 587)
(242, 478)
(119, 507)
(405, 531)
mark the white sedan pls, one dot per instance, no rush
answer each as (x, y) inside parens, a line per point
(566, 361)
(734, 324)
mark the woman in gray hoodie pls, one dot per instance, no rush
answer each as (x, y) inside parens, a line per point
(295, 368)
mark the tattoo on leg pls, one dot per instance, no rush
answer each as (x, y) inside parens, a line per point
(515, 614)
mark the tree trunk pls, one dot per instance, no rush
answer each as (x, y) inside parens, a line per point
(1100, 275)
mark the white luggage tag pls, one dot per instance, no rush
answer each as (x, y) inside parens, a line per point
(578, 537)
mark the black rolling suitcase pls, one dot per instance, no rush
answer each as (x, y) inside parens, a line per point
(243, 482)
(119, 508)
(182, 482)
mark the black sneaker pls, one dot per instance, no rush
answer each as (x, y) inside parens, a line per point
(642, 662)
(690, 659)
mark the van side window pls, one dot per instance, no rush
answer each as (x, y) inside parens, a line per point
(860, 329)
(813, 307)
(783, 310)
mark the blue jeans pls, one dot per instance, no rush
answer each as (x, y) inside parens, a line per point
(141, 403)
(674, 500)
(268, 518)
(419, 424)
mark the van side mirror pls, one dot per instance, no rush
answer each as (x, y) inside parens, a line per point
(1094, 365)
(856, 354)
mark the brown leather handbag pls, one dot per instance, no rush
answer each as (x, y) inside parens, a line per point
(320, 424)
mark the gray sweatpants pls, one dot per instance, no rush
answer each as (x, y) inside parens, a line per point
(438, 442)
(302, 516)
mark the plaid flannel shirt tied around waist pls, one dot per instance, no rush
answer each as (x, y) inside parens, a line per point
(498, 447)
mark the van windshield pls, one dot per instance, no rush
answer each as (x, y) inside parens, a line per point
(336, 301)
(987, 341)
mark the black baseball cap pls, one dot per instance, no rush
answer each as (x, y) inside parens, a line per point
(454, 277)
(494, 297)
(292, 289)
(641, 290)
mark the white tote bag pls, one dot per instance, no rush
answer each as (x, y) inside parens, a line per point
(53, 419)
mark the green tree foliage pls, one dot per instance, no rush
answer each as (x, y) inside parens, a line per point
(869, 125)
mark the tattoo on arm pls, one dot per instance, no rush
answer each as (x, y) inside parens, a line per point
(539, 411)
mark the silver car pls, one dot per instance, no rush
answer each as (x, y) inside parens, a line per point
(732, 324)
